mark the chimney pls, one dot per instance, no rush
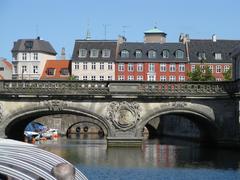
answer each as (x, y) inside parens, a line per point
(214, 38)
(63, 54)
(121, 39)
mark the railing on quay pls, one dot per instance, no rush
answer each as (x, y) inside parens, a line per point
(81, 88)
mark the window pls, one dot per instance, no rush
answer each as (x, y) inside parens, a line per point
(211, 68)
(138, 54)
(162, 67)
(76, 77)
(181, 78)
(84, 65)
(1, 68)
(35, 56)
(106, 53)
(179, 54)
(140, 78)
(15, 69)
(124, 54)
(50, 71)
(193, 67)
(226, 68)
(165, 54)
(218, 56)
(202, 67)
(140, 67)
(35, 69)
(93, 78)
(130, 78)
(152, 54)
(172, 78)
(109, 66)
(94, 53)
(101, 78)
(181, 67)
(24, 56)
(120, 67)
(172, 67)
(163, 78)
(121, 78)
(130, 67)
(151, 67)
(64, 72)
(76, 65)
(24, 69)
(82, 53)
(218, 79)
(85, 78)
(218, 69)
(93, 66)
(202, 56)
(101, 65)
(109, 78)
(151, 78)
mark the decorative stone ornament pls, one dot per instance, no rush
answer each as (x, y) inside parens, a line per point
(55, 105)
(123, 115)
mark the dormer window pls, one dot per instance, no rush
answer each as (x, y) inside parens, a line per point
(94, 53)
(106, 53)
(64, 72)
(202, 56)
(138, 54)
(179, 54)
(124, 54)
(152, 54)
(28, 44)
(82, 53)
(165, 54)
(218, 56)
(50, 71)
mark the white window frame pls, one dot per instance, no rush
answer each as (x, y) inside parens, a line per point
(110, 66)
(139, 78)
(35, 69)
(193, 67)
(138, 54)
(85, 78)
(24, 56)
(121, 67)
(163, 67)
(110, 78)
(218, 69)
(82, 53)
(130, 67)
(93, 66)
(35, 56)
(140, 67)
(151, 78)
(94, 53)
(85, 65)
(130, 78)
(76, 65)
(101, 78)
(151, 67)
(106, 53)
(163, 78)
(124, 53)
(181, 67)
(101, 66)
(172, 78)
(152, 54)
(182, 78)
(218, 56)
(93, 78)
(121, 78)
(172, 67)
(24, 69)
(226, 68)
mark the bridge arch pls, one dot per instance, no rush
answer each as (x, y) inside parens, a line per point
(203, 117)
(13, 125)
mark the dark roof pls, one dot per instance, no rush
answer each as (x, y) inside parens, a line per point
(33, 45)
(145, 47)
(225, 47)
(236, 51)
(94, 44)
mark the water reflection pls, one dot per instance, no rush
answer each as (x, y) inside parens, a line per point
(153, 154)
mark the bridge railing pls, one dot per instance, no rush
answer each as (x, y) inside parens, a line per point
(33, 87)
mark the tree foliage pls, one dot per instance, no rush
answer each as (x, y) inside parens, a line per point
(200, 74)
(72, 78)
(228, 74)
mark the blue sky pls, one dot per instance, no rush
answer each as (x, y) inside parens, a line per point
(62, 21)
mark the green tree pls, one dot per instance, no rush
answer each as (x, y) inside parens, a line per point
(72, 78)
(228, 74)
(201, 74)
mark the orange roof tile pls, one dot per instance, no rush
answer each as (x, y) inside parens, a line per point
(58, 65)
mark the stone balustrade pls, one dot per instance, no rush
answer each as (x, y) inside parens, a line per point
(81, 88)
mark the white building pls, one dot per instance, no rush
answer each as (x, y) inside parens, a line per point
(29, 58)
(93, 60)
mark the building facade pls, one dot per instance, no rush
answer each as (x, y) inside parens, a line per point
(94, 60)
(29, 58)
(5, 69)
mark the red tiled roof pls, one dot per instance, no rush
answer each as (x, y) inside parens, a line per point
(58, 65)
(8, 64)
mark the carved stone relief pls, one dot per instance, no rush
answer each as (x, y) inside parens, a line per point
(55, 105)
(123, 115)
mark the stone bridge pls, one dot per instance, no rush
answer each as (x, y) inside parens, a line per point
(122, 109)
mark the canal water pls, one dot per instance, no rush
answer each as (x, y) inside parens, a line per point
(155, 160)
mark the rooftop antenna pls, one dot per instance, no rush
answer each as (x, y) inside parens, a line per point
(124, 30)
(105, 30)
(88, 34)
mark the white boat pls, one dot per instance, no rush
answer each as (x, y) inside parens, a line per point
(49, 134)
